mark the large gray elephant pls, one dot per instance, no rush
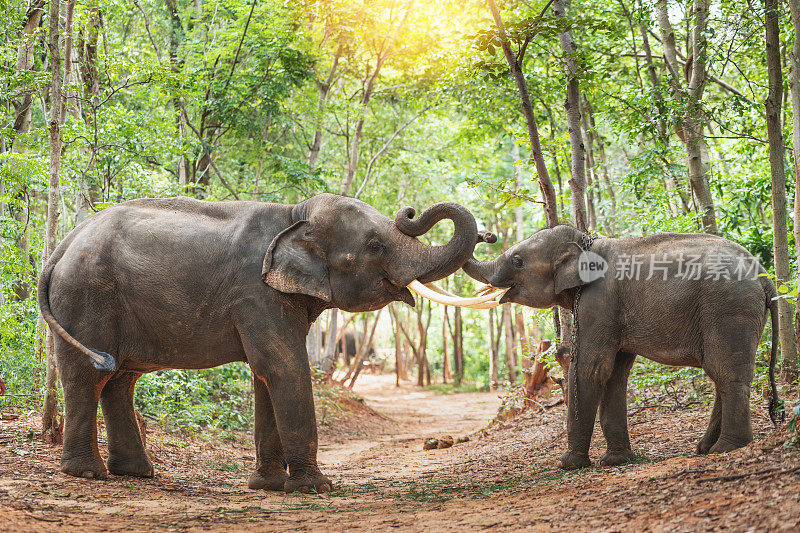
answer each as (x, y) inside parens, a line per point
(677, 299)
(181, 283)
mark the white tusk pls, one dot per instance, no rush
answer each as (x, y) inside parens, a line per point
(485, 305)
(440, 290)
(448, 299)
(486, 289)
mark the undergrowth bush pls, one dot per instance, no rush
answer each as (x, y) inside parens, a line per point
(219, 399)
(20, 369)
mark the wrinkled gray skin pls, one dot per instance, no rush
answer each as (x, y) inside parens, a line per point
(182, 283)
(713, 325)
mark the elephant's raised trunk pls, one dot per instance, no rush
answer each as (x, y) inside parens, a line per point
(440, 261)
(482, 271)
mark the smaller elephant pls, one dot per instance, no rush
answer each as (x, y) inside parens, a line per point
(350, 343)
(677, 299)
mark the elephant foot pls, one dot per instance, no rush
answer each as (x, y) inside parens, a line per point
(704, 446)
(274, 479)
(89, 468)
(728, 445)
(130, 466)
(308, 482)
(617, 458)
(574, 460)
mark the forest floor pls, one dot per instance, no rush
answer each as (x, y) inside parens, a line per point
(504, 477)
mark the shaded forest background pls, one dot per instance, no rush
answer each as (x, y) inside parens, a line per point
(644, 116)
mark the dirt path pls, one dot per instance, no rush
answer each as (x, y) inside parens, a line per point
(412, 414)
(503, 478)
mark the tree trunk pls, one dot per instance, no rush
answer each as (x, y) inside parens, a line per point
(324, 90)
(515, 66)
(493, 359)
(176, 36)
(525, 345)
(363, 350)
(50, 409)
(399, 367)
(791, 367)
(423, 369)
(508, 333)
(329, 361)
(519, 219)
(22, 126)
(71, 103)
(458, 346)
(314, 344)
(87, 48)
(577, 181)
(446, 374)
(780, 245)
(369, 89)
(594, 139)
(690, 130)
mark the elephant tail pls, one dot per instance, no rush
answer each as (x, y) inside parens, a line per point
(100, 360)
(775, 404)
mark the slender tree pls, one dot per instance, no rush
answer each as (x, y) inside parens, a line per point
(780, 244)
(50, 426)
(690, 99)
(22, 126)
(577, 182)
(791, 367)
(446, 374)
(515, 66)
(493, 358)
(458, 346)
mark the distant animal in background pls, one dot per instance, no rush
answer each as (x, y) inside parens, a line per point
(349, 345)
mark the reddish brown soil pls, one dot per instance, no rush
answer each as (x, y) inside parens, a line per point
(505, 477)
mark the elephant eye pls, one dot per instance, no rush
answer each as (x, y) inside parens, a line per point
(376, 247)
(516, 260)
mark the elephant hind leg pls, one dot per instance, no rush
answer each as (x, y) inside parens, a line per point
(735, 428)
(614, 413)
(126, 453)
(714, 426)
(270, 473)
(730, 352)
(82, 384)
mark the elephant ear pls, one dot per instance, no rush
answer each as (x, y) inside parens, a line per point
(565, 269)
(295, 264)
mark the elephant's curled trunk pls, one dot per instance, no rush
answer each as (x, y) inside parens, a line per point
(482, 271)
(440, 261)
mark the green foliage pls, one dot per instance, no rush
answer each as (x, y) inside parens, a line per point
(20, 367)
(209, 400)
(238, 83)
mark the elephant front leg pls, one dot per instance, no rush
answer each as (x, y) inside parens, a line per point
(270, 473)
(587, 374)
(281, 362)
(614, 413)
